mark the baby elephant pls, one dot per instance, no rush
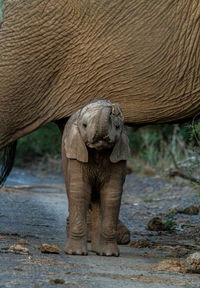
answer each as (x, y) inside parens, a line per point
(94, 151)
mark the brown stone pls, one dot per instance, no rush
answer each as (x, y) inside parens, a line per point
(156, 224)
(140, 243)
(191, 210)
(192, 263)
(57, 282)
(19, 248)
(46, 248)
(23, 242)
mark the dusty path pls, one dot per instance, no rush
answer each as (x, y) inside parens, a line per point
(37, 214)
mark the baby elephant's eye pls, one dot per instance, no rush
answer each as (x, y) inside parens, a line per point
(84, 125)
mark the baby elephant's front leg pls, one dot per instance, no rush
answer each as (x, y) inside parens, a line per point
(78, 197)
(110, 205)
(77, 242)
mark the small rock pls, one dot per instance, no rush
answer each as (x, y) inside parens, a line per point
(140, 243)
(178, 252)
(57, 281)
(19, 248)
(23, 242)
(18, 269)
(156, 224)
(46, 248)
(192, 263)
(191, 210)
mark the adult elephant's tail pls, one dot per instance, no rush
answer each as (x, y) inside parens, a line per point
(7, 161)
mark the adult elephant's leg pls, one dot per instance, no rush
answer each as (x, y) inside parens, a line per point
(78, 193)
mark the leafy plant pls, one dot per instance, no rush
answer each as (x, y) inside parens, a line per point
(1, 4)
(157, 143)
(46, 140)
(170, 222)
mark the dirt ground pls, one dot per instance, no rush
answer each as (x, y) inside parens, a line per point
(33, 209)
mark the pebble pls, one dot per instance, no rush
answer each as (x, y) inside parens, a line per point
(140, 243)
(192, 263)
(23, 242)
(57, 281)
(156, 224)
(191, 210)
(19, 248)
(46, 248)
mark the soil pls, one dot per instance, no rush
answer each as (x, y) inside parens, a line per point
(33, 211)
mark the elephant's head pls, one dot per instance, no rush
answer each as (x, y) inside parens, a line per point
(98, 125)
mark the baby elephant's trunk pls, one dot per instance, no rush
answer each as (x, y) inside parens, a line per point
(103, 122)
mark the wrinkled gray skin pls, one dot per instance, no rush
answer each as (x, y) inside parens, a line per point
(56, 56)
(94, 150)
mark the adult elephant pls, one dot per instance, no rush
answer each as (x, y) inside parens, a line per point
(56, 56)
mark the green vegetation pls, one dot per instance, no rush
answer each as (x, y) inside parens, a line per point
(150, 142)
(151, 145)
(1, 3)
(170, 222)
(46, 140)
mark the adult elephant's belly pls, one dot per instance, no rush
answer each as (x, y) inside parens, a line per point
(56, 58)
(148, 61)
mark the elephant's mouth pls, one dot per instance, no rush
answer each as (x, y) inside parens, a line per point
(101, 144)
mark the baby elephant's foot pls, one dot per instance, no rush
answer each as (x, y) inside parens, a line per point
(94, 246)
(76, 247)
(108, 249)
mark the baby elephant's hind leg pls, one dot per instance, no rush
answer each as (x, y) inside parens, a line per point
(95, 226)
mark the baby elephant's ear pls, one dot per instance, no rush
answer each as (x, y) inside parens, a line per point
(73, 144)
(121, 150)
